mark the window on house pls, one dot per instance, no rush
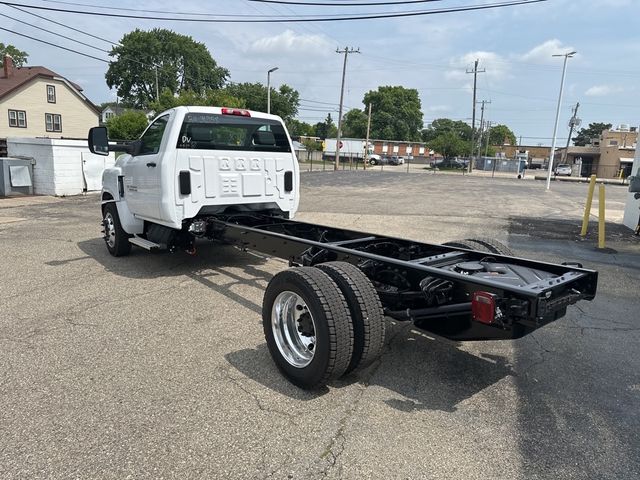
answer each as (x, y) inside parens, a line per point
(51, 94)
(53, 122)
(18, 118)
(613, 143)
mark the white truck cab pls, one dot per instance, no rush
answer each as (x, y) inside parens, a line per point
(191, 162)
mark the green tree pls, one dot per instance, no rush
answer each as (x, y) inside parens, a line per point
(501, 135)
(354, 124)
(449, 144)
(210, 97)
(19, 56)
(326, 129)
(594, 130)
(129, 125)
(297, 128)
(284, 101)
(181, 63)
(312, 146)
(441, 126)
(396, 113)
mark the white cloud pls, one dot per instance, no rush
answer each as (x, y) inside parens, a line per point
(603, 90)
(439, 108)
(543, 53)
(496, 66)
(291, 43)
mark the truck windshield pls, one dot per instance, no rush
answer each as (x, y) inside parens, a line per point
(210, 131)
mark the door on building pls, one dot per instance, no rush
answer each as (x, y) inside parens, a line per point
(92, 168)
(587, 167)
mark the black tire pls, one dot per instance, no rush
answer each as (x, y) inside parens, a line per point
(115, 238)
(492, 246)
(332, 330)
(372, 162)
(365, 309)
(460, 244)
(482, 244)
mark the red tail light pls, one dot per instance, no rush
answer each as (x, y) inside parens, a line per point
(483, 307)
(236, 111)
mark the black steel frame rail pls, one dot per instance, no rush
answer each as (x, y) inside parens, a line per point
(295, 241)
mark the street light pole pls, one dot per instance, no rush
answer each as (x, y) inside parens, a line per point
(269, 72)
(555, 126)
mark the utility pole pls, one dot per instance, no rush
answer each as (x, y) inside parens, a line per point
(574, 121)
(475, 72)
(157, 88)
(366, 145)
(346, 52)
(486, 148)
(481, 127)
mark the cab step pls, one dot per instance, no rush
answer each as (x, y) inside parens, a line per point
(144, 243)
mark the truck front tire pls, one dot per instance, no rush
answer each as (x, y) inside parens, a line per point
(307, 328)
(116, 239)
(482, 244)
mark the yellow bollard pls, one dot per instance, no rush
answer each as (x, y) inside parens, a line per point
(587, 207)
(601, 217)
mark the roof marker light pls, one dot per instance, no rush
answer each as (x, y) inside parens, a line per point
(236, 111)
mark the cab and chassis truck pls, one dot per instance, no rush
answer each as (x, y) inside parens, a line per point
(230, 175)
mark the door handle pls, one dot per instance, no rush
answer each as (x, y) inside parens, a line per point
(151, 164)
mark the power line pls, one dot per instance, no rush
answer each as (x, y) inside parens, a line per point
(345, 4)
(299, 19)
(54, 45)
(65, 26)
(54, 33)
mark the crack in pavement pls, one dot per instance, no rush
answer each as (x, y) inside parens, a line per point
(336, 446)
(259, 403)
(543, 355)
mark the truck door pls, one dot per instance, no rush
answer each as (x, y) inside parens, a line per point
(142, 172)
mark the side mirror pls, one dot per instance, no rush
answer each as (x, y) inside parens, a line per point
(99, 141)
(135, 147)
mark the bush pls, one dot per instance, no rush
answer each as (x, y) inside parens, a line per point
(129, 125)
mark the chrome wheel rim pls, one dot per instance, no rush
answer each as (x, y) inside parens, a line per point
(109, 230)
(293, 329)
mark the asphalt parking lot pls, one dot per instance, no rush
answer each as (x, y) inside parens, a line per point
(155, 366)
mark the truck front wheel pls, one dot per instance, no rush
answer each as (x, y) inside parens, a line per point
(307, 327)
(116, 239)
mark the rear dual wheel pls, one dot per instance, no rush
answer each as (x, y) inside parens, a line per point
(320, 323)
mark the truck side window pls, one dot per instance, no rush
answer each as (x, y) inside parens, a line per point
(152, 138)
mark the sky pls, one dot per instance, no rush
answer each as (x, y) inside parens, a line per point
(431, 53)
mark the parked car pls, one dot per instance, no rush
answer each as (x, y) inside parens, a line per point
(563, 169)
(396, 160)
(449, 163)
(378, 160)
